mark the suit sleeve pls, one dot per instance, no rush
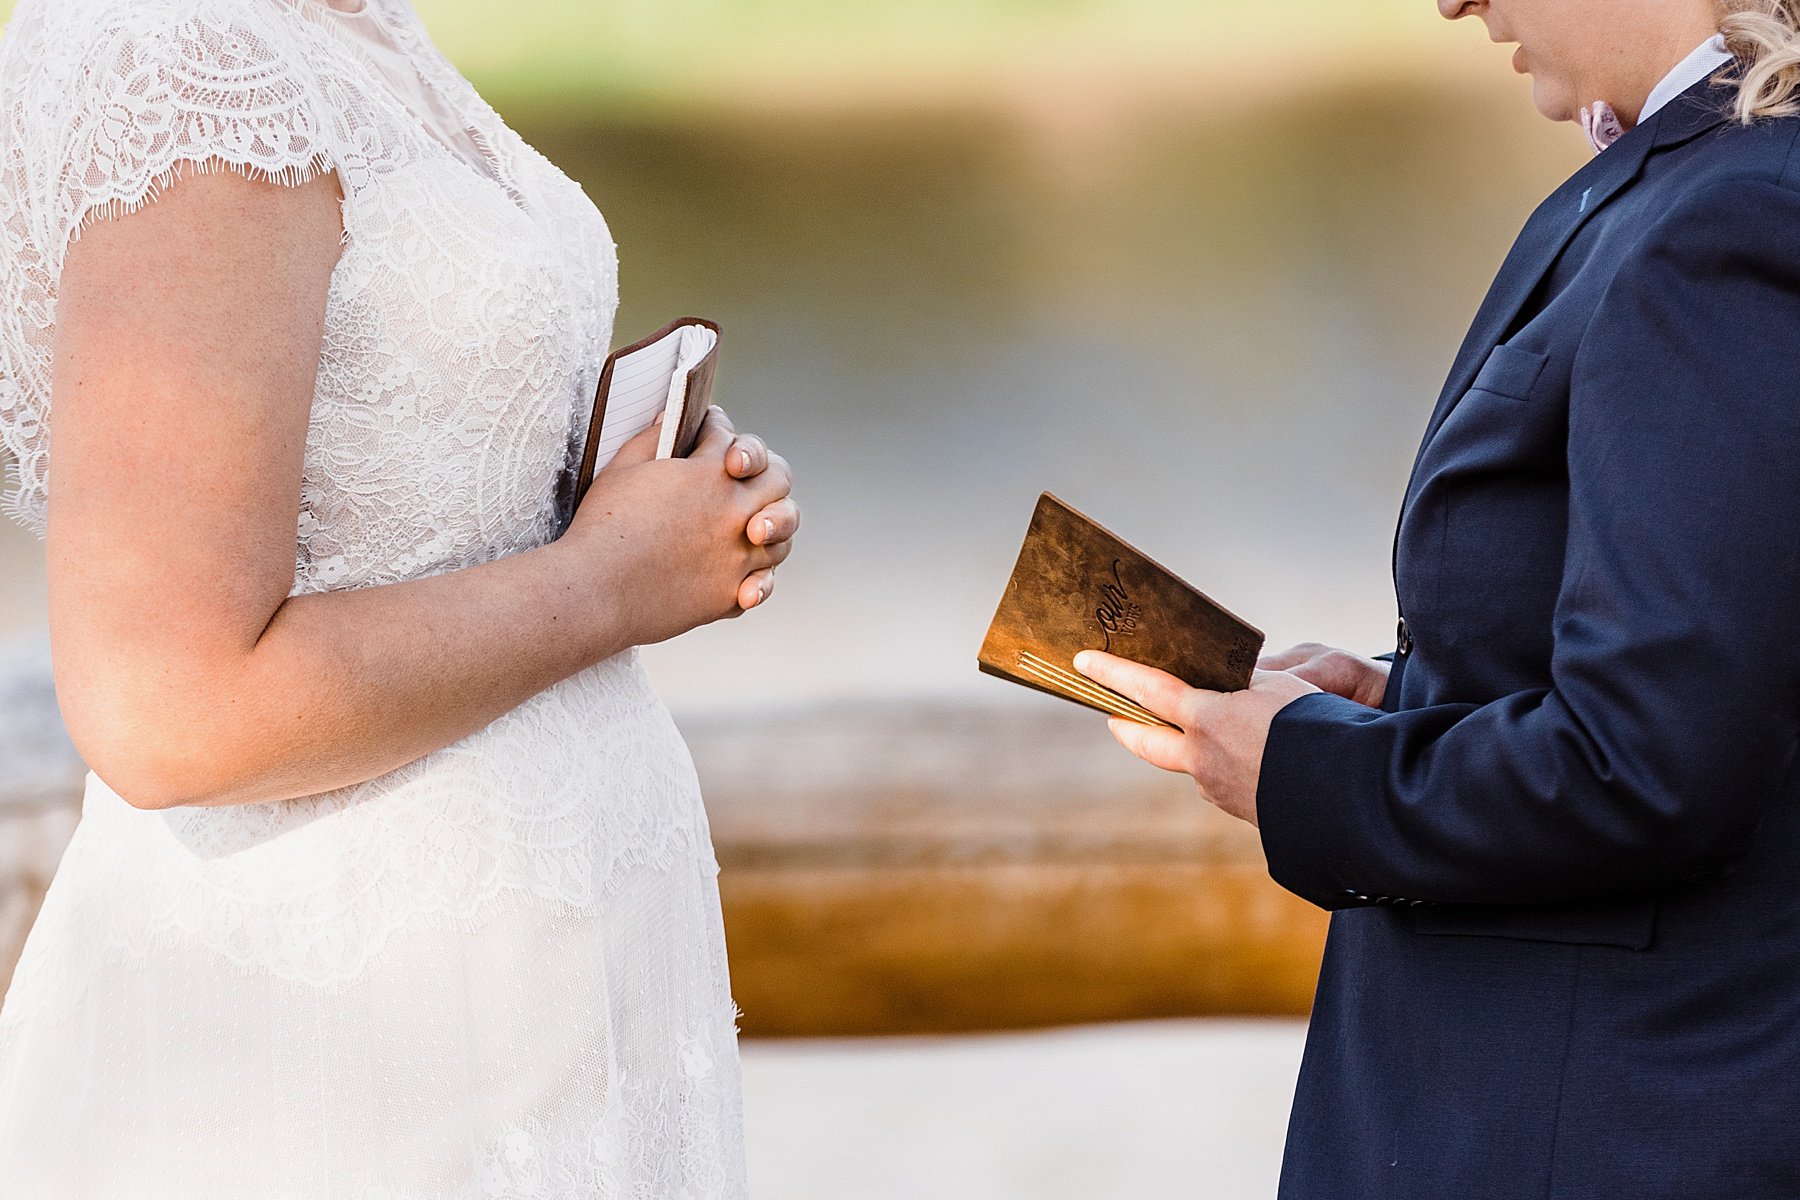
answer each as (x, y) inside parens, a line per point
(1672, 718)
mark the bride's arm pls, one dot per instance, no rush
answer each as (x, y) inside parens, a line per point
(187, 345)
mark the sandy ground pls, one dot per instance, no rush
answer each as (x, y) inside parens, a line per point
(1190, 1110)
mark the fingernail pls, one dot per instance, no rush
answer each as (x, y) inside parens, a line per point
(1083, 659)
(768, 530)
(743, 460)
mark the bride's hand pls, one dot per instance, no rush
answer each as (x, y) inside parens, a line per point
(747, 458)
(669, 541)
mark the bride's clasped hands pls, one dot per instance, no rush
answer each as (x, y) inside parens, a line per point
(669, 545)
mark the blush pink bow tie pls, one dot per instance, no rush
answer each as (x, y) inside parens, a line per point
(1602, 125)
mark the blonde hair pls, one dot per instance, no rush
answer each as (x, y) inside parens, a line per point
(1765, 37)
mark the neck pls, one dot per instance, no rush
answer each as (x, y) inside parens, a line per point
(1644, 54)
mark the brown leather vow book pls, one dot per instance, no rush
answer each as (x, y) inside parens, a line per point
(1079, 587)
(668, 373)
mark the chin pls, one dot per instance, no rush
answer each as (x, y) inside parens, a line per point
(1553, 100)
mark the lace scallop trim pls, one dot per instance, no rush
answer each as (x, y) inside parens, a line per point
(184, 167)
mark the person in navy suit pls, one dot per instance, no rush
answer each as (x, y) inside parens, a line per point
(1559, 827)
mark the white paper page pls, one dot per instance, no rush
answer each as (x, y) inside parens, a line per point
(697, 341)
(639, 391)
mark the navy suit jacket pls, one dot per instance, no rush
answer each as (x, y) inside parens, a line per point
(1564, 857)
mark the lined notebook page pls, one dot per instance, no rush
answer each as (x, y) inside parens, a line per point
(695, 342)
(639, 392)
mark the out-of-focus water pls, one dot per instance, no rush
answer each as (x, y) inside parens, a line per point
(1218, 329)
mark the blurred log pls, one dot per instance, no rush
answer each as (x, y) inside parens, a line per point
(890, 870)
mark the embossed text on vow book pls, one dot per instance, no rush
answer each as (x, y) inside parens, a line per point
(1079, 587)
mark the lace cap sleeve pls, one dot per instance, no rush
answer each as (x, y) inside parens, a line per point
(105, 103)
(203, 82)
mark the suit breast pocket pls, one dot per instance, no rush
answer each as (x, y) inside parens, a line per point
(1510, 371)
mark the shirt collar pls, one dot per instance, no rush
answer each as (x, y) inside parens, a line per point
(1708, 57)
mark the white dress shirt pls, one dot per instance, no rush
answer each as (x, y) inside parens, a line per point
(1708, 57)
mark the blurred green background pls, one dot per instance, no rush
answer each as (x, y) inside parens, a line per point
(682, 50)
(1198, 267)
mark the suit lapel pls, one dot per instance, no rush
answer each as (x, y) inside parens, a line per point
(1551, 228)
(1560, 218)
(1549, 231)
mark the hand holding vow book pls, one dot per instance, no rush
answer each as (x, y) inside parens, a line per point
(1078, 587)
(668, 374)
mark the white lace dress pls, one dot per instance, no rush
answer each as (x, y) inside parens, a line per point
(498, 972)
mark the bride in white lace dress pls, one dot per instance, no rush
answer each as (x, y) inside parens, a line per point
(392, 879)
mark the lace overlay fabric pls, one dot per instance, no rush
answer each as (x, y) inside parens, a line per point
(499, 971)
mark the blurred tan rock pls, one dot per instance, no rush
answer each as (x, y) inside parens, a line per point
(40, 790)
(908, 870)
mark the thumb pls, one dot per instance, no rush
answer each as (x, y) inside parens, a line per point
(640, 449)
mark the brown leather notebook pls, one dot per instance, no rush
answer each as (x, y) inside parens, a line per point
(668, 373)
(1079, 587)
